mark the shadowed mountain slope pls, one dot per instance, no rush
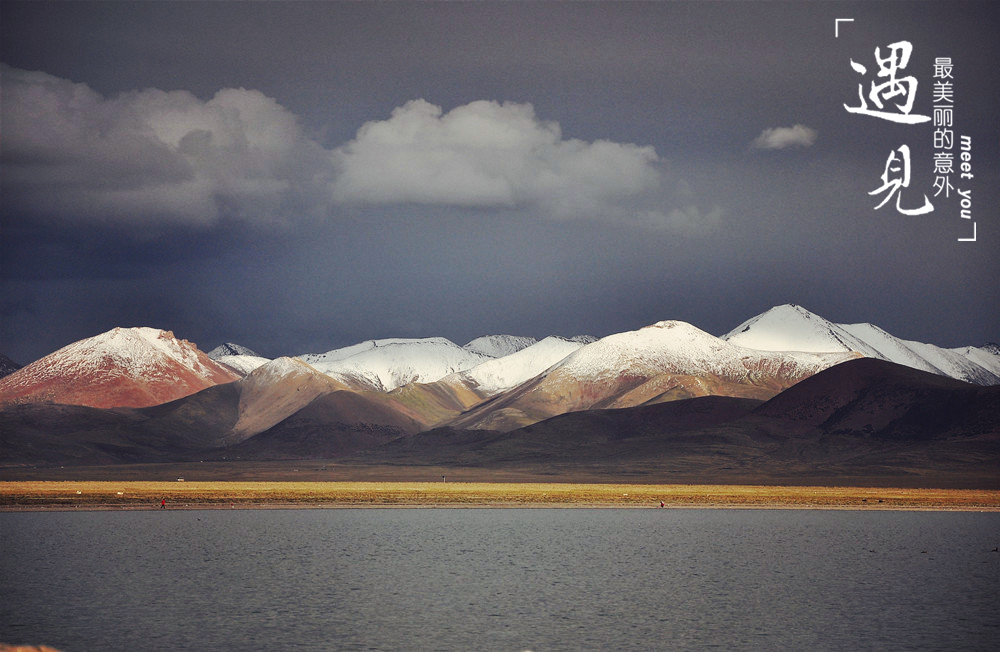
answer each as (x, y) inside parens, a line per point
(863, 418)
(330, 426)
(875, 398)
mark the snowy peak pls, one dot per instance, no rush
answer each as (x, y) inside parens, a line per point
(124, 367)
(384, 365)
(987, 356)
(500, 374)
(498, 346)
(666, 361)
(319, 359)
(652, 349)
(242, 364)
(673, 347)
(793, 328)
(229, 349)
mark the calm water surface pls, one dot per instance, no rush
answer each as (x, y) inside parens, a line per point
(500, 579)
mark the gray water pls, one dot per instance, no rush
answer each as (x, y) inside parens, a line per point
(500, 579)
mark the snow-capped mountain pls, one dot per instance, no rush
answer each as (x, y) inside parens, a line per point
(242, 364)
(320, 359)
(986, 356)
(124, 367)
(384, 365)
(497, 375)
(435, 381)
(237, 357)
(793, 328)
(678, 348)
(666, 361)
(498, 346)
(230, 349)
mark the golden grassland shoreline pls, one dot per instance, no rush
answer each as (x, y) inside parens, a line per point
(125, 495)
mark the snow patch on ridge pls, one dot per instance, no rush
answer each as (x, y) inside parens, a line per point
(987, 357)
(228, 349)
(385, 365)
(242, 364)
(494, 376)
(498, 346)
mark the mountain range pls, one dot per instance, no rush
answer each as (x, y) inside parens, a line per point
(783, 395)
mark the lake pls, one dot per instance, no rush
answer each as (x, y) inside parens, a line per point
(500, 579)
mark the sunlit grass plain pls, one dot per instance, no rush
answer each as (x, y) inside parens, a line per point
(200, 494)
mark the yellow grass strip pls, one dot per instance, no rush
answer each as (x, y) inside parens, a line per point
(126, 494)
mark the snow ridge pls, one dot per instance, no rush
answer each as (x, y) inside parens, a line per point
(242, 364)
(986, 356)
(230, 349)
(385, 365)
(498, 346)
(494, 376)
(793, 328)
(676, 347)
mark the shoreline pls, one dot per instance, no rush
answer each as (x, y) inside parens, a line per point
(11, 509)
(21, 496)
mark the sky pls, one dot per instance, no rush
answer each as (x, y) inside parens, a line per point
(299, 176)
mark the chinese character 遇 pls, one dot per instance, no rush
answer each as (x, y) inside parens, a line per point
(893, 185)
(898, 57)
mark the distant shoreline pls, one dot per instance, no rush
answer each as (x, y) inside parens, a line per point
(336, 506)
(139, 496)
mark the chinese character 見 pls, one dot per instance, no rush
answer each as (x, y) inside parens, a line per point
(899, 165)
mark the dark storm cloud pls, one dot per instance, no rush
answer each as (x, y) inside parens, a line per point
(152, 156)
(297, 176)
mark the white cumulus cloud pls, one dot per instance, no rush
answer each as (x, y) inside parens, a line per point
(488, 154)
(782, 137)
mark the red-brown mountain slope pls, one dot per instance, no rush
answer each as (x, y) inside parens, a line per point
(124, 367)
